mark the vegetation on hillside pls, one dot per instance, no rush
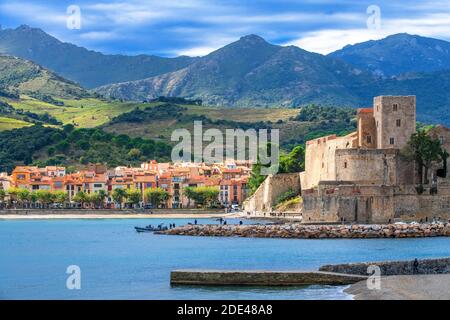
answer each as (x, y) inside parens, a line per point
(18, 76)
(50, 146)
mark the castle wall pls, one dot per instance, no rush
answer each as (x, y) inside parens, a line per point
(344, 202)
(367, 166)
(266, 195)
(340, 201)
(320, 158)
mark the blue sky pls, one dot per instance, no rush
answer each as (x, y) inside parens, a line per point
(197, 27)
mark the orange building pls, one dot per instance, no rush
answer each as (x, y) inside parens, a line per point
(174, 178)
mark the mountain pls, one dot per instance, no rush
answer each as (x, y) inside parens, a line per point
(88, 68)
(397, 54)
(432, 90)
(252, 72)
(19, 76)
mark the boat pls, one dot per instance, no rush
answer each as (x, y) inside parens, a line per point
(151, 228)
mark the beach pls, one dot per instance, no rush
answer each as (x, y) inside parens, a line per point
(408, 287)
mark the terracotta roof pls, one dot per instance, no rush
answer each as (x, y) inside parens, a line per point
(365, 110)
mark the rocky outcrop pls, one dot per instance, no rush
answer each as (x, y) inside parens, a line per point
(302, 231)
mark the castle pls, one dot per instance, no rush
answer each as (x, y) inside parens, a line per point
(363, 176)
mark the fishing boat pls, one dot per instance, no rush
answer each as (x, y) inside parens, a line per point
(151, 228)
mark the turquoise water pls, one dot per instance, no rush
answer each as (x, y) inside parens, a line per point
(118, 263)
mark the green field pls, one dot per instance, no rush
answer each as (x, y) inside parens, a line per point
(10, 123)
(83, 113)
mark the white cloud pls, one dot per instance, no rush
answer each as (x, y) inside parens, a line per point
(100, 35)
(329, 40)
(196, 51)
(326, 41)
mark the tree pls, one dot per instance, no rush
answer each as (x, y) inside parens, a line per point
(118, 195)
(13, 192)
(102, 195)
(204, 196)
(134, 154)
(294, 161)
(45, 197)
(2, 195)
(94, 199)
(133, 196)
(425, 151)
(81, 197)
(156, 196)
(60, 196)
(23, 195)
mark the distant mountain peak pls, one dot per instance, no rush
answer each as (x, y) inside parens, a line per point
(252, 38)
(398, 53)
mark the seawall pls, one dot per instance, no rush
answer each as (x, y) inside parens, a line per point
(389, 268)
(261, 278)
(301, 231)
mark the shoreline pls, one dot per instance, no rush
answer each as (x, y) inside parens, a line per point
(404, 287)
(46, 216)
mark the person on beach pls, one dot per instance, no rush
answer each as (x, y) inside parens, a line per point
(240, 222)
(416, 266)
(195, 221)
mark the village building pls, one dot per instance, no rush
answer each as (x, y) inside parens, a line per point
(173, 177)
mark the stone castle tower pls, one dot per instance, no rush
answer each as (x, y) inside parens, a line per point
(389, 124)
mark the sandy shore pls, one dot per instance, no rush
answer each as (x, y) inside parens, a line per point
(416, 287)
(119, 216)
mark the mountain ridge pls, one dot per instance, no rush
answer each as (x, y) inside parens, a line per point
(397, 54)
(87, 67)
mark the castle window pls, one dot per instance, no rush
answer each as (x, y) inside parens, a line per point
(441, 139)
(395, 107)
(391, 140)
(345, 165)
(398, 122)
(369, 139)
(377, 123)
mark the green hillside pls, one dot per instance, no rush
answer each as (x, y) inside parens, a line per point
(22, 77)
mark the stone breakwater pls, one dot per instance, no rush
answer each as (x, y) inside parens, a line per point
(301, 231)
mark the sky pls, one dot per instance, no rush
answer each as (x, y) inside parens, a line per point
(197, 27)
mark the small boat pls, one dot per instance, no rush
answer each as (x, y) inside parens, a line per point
(150, 228)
